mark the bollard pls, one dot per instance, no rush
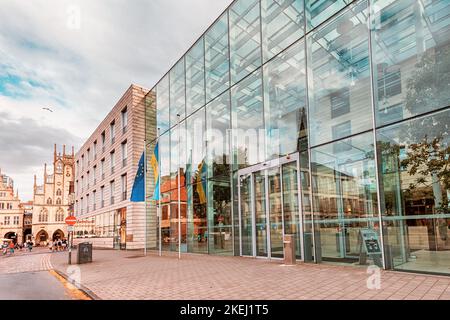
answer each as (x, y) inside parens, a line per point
(289, 249)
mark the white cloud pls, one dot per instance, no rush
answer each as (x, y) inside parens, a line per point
(81, 73)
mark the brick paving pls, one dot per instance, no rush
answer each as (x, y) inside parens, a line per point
(24, 261)
(129, 275)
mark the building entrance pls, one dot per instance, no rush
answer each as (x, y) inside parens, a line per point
(269, 208)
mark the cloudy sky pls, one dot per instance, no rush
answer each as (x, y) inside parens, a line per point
(77, 58)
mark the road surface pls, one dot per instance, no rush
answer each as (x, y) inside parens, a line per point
(30, 276)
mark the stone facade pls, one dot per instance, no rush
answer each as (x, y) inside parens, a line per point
(11, 213)
(51, 199)
(105, 167)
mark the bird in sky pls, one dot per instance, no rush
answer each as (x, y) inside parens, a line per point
(48, 109)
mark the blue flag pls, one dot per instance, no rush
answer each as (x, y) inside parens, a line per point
(138, 192)
(155, 165)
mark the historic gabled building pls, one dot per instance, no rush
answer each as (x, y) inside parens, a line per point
(51, 199)
(11, 213)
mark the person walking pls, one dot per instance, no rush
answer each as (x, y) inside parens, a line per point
(30, 246)
(5, 248)
(11, 248)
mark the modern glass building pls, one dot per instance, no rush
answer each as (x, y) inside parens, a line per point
(327, 120)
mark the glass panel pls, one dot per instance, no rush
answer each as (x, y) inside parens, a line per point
(165, 221)
(245, 38)
(178, 154)
(196, 149)
(308, 242)
(195, 77)
(177, 92)
(260, 214)
(248, 122)
(346, 200)
(162, 104)
(340, 100)
(197, 223)
(217, 62)
(285, 102)
(282, 24)
(275, 213)
(411, 54)
(290, 204)
(218, 124)
(219, 215)
(246, 215)
(415, 193)
(317, 11)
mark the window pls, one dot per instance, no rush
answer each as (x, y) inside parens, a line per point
(247, 119)
(58, 201)
(177, 92)
(113, 161)
(124, 119)
(94, 149)
(7, 220)
(245, 38)
(82, 162)
(94, 174)
(94, 199)
(112, 131)
(43, 215)
(162, 104)
(87, 179)
(410, 50)
(112, 189)
(124, 153)
(58, 192)
(340, 102)
(103, 135)
(102, 168)
(285, 102)
(124, 187)
(87, 203)
(88, 156)
(102, 196)
(338, 58)
(59, 216)
(195, 77)
(217, 62)
(16, 220)
(49, 201)
(283, 23)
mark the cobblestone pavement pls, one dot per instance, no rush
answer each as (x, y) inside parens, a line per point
(24, 261)
(129, 275)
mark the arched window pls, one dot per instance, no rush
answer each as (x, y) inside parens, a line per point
(58, 201)
(49, 201)
(43, 215)
(58, 192)
(59, 217)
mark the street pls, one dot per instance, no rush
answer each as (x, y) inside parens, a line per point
(30, 276)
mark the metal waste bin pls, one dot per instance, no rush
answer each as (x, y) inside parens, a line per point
(84, 252)
(289, 249)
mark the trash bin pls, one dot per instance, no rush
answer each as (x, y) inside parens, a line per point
(84, 252)
(289, 249)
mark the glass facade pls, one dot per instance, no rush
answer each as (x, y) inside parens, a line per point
(325, 120)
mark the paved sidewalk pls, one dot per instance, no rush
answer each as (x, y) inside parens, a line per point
(24, 261)
(129, 275)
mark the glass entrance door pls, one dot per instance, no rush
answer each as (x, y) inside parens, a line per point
(269, 208)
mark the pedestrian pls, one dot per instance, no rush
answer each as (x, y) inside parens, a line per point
(4, 248)
(30, 246)
(50, 246)
(11, 247)
(64, 244)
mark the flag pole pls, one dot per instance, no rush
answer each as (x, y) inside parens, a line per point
(159, 194)
(145, 196)
(179, 180)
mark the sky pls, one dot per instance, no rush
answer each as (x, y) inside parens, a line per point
(77, 58)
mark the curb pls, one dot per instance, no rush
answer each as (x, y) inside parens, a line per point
(80, 287)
